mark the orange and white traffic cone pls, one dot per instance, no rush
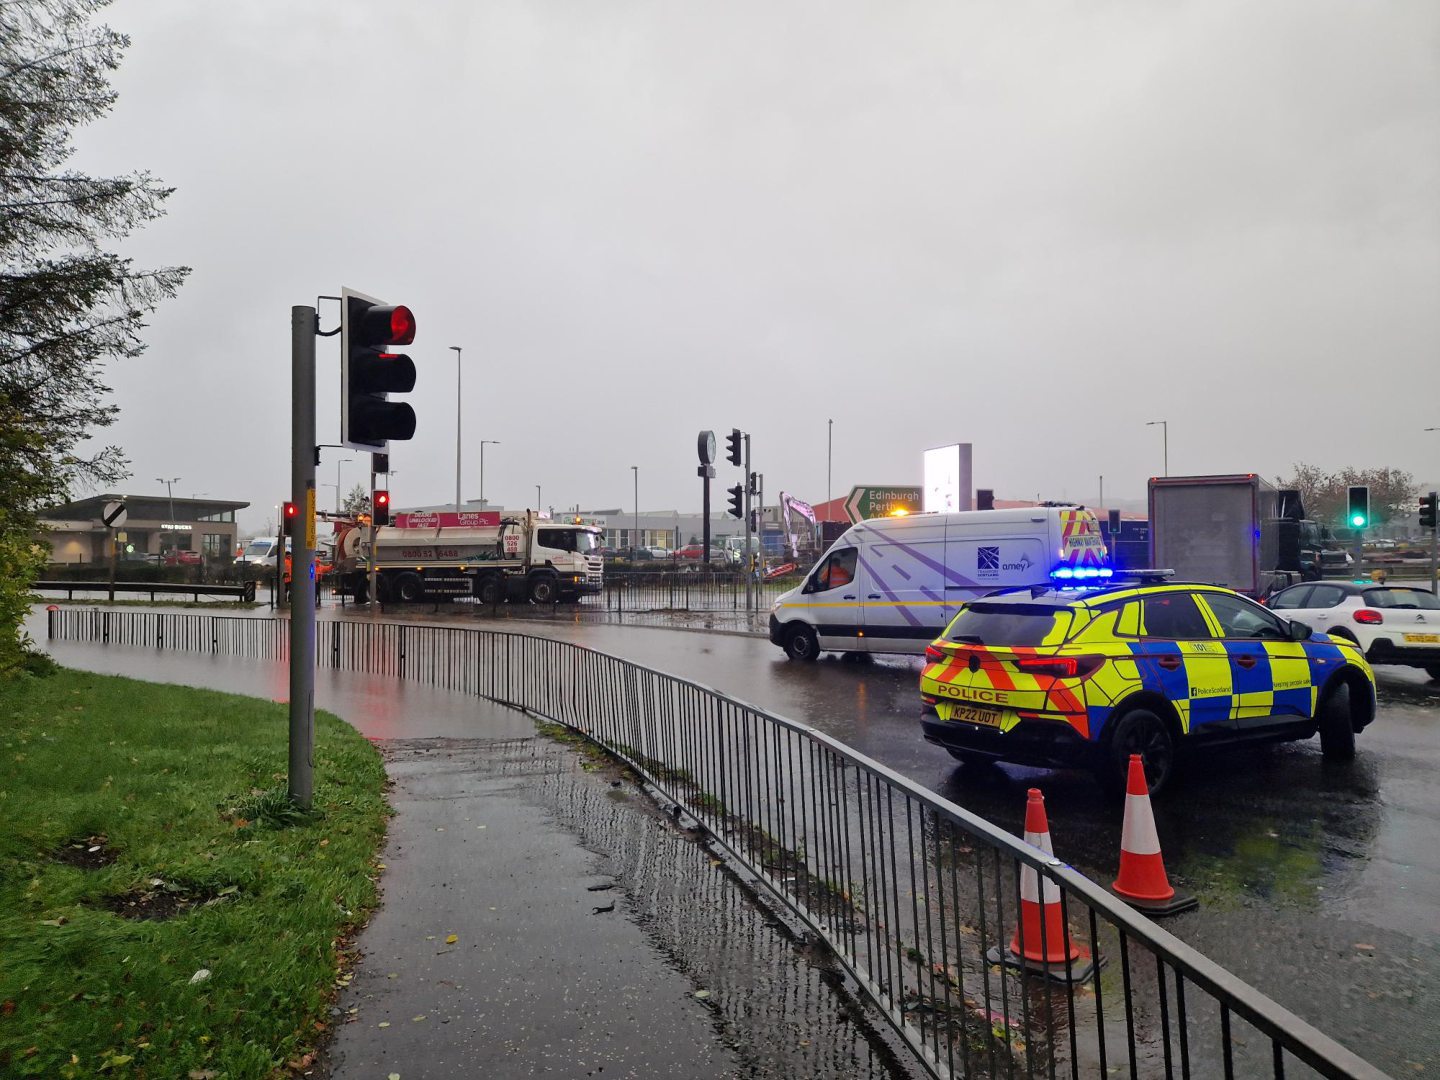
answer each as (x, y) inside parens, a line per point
(1142, 882)
(1042, 941)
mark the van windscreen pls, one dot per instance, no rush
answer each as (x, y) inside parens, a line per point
(1009, 625)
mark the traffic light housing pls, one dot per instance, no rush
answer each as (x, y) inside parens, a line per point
(1358, 515)
(984, 498)
(370, 373)
(1427, 510)
(737, 501)
(732, 448)
(381, 515)
(290, 515)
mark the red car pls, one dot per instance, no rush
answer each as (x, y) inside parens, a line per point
(182, 557)
(696, 553)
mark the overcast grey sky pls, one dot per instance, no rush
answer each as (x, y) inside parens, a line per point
(1030, 226)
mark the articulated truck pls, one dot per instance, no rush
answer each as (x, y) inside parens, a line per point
(525, 557)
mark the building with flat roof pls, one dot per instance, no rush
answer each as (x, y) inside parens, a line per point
(154, 525)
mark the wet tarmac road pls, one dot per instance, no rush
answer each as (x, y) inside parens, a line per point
(1319, 883)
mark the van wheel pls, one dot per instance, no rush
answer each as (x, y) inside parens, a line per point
(410, 587)
(1138, 731)
(802, 644)
(1337, 731)
(488, 591)
(544, 589)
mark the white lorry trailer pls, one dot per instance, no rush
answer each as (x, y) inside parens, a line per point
(527, 557)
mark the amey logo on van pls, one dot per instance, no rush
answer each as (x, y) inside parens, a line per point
(988, 559)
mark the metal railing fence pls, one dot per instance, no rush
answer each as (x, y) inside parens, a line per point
(916, 897)
(684, 590)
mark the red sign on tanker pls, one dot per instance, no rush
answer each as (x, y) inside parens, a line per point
(467, 519)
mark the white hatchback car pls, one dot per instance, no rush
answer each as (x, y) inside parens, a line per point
(1392, 624)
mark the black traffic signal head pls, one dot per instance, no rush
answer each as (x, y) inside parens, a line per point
(1358, 513)
(370, 372)
(737, 501)
(732, 448)
(984, 498)
(1427, 510)
(290, 515)
(381, 516)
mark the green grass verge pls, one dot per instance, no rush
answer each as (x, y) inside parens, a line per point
(181, 792)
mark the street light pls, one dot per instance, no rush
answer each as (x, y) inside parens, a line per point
(537, 498)
(484, 443)
(635, 540)
(342, 461)
(829, 458)
(456, 349)
(169, 493)
(1165, 436)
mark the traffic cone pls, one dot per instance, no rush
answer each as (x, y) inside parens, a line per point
(1047, 945)
(1142, 882)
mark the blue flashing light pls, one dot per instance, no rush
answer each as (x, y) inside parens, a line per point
(1068, 573)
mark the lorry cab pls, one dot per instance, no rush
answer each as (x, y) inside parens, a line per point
(892, 585)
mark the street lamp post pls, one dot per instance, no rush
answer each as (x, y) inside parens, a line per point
(484, 443)
(169, 494)
(456, 349)
(635, 540)
(1165, 440)
(829, 460)
(342, 461)
(537, 498)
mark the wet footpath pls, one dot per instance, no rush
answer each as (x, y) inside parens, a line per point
(542, 916)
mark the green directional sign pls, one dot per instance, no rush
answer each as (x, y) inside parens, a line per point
(881, 500)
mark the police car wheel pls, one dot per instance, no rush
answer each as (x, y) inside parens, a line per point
(802, 644)
(1337, 731)
(1146, 733)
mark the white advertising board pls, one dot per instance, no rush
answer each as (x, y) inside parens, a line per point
(947, 479)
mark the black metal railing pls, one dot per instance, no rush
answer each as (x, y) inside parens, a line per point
(918, 899)
(697, 590)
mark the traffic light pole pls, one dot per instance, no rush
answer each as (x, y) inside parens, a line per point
(303, 328)
(1427, 521)
(749, 554)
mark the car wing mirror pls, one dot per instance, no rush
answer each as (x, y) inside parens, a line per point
(1300, 631)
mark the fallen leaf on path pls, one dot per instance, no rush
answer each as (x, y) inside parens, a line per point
(451, 939)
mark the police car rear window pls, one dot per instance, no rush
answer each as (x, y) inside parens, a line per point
(1402, 598)
(1009, 625)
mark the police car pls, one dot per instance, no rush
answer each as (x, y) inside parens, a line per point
(1063, 676)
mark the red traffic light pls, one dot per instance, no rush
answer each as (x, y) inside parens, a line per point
(382, 508)
(291, 511)
(387, 325)
(382, 498)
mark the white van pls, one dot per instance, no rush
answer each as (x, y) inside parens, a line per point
(893, 584)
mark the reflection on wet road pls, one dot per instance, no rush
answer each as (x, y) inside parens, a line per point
(1319, 883)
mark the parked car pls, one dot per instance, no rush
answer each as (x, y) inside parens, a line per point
(1086, 677)
(659, 552)
(696, 553)
(182, 557)
(1392, 624)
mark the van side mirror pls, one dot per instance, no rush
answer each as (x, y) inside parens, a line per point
(1300, 631)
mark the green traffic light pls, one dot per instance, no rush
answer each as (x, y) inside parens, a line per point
(1357, 520)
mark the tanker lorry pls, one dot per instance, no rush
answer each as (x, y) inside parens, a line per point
(527, 557)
